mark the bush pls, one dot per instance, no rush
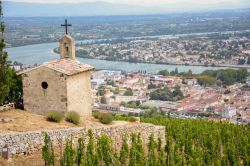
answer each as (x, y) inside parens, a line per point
(121, 117)
(73, 117)
(132, 119)
(54, 116)
(96, 114)
(105, 118)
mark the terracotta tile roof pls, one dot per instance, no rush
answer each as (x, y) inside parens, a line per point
(68, 66)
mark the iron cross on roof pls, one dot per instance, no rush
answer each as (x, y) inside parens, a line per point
(66, 25)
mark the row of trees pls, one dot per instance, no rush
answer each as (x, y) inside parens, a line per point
(10, 82)
(175, 73)
(213, 77)
(226, 76)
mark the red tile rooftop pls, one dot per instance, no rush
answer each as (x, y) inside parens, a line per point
(68, 66)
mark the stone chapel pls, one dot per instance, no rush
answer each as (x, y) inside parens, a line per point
(61, 85)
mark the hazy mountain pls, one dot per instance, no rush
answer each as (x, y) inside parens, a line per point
(19, 9)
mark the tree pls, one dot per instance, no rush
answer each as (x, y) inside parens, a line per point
(5, 70)
(80, 153)
(48, 152)
(10, 82)
(128, 92)
(166, 94)
(69, 155)
(133, 151)
(242, 74)
(16, 91)
(92, 159)
(103, 100)
(151, 151)
(101, 91)
(177, 92)
(164, 73)
(206, 80)
(124, 153)
(140, 156)
(175, 72)
(104, 151)
(160, 157)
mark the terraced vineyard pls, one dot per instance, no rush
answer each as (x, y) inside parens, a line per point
(188, 142)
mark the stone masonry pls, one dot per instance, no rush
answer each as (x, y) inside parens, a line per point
(21, 143)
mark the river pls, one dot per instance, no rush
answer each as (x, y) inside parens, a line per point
(39, 53)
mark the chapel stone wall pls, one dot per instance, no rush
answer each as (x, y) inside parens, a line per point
(79, 94)
(42, 100)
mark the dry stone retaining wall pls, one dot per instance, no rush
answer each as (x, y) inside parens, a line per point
(21, 143)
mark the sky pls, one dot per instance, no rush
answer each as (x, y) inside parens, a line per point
(143, 2)
(114, 7)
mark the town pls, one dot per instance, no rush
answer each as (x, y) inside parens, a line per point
(229, 49)
(133, 94)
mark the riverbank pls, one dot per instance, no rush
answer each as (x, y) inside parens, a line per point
(40, 53)
(174, 64)
(55, 50)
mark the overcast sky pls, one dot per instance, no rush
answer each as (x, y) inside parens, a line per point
(142, 2)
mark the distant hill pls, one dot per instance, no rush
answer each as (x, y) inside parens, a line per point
(19, 9)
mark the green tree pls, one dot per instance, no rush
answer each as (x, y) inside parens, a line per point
(103, 100)
(5, 70)
(166, 94)
(104, 151)
(128, 92)
(151, 151)
(10, 82)
(124, 153)
(92, 159)
(80, 153)
(206, 80)
(160, 157)
(133, 151)
(164, 73)
(48, 152)
(69, 155)
(140, 156)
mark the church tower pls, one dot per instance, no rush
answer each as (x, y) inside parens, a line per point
(67, 47)
(67, 44)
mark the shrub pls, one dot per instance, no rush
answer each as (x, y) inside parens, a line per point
(54, 116)
(121, 117)
(73, 117)
(105, 118)
(132, 119)
(96, 114)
